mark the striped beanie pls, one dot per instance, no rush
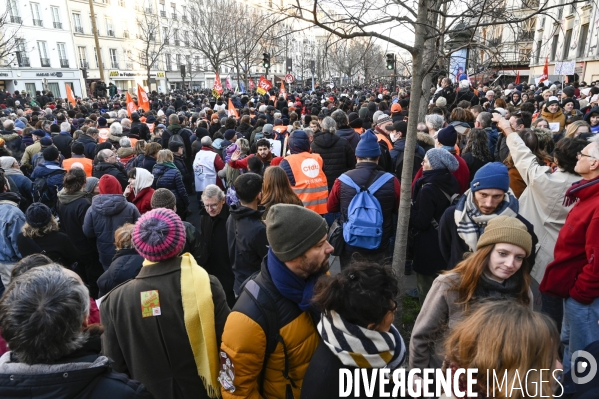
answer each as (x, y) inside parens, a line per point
(159, 235)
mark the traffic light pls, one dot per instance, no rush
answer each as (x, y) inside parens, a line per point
(266, 60)
(390, 61)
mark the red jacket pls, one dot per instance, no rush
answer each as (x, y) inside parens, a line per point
(243, 163)
(574, 271)
(462, 174)
(143, 200)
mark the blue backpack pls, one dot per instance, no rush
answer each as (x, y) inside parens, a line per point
(364, 225)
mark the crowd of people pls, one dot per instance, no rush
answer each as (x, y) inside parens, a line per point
(182, 251)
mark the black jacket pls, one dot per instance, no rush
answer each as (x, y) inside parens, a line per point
(468, 95)
(337, 155)
(89, 145)
(125, 265)
(350, 135)
(245, 130)
(141, 130)
(115, 169)
(474, 164)
(63, 142)
(54, 245)
(430, 202)
(453, 246)
(67, 379)
(246, 236)
(214, 256)
(72, 212)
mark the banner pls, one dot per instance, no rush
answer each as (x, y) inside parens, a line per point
(229, 84)
(218, 87)
(264, 85)
(565, 68)
(130, 105)
(252, 85)
(231, 110)
(517, 81)
(545, 75)
(142, 98)
(71, 96)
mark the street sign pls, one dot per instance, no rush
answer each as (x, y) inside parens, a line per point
(289, 78)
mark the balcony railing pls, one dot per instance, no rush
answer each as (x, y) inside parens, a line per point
(38, 22)
(177, 42)
(45, 62)
(79, 29)
(23, 60)
(16, 19)
(494, 42)
(110, 33)
(57, 25)
(174, 15)
(163, 13)
(114, 65)
(530, 4)
(64, 63)
(526, 36)
(84, 64)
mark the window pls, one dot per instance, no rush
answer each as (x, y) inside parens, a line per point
(30, 88)
(82, 53)
(582, 41)
(77, 23)
(91, 23)
(168, 61)
(109, 27)
(13, 11)
(56, 17)
(174, 10)
(567, 41)
(538, 51)
(35, 14)
(128, 57)
(178, 60)
(114, 62)
(176, 36)
(54, 88)
(62, 55)
(162, 9)
(554, 47)
(22, 57)
(43, 53)
(196, 62)
(96, 58)
(71, 85)
(165, 34)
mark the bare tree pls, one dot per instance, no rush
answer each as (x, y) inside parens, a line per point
(12, 45)
(347, 56)
(150, 43)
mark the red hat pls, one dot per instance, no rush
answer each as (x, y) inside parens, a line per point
(110, 185)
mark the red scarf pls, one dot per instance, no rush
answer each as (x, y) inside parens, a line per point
(571, 197)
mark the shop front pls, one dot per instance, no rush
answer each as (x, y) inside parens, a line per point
(128, 80)
(32, 80)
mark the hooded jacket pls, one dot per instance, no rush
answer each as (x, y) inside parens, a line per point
(125, 154)
(13, 143)
(63, 142)
(89, 144)
(556, 117)
(114, 169)
(126, 264)
(71, 209)
(12, 220)
(141, 195)
(350, 135)
(107, 213)
(337, 155)
(170, 178)
(246, 235)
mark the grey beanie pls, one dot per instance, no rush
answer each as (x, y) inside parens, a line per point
(440, 158)
(267, 129)
(292, 230)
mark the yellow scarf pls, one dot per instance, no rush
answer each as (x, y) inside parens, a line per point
(198, 312)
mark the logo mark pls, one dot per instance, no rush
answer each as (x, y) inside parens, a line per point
(581, 366)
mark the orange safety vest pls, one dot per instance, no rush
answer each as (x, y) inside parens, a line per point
(87, 165)
(359, 130)
(382, 137)
(310, 181)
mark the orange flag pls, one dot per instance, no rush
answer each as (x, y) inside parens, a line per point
(142, 98)
(282, 90)
(232, 111)
(70, 96)
(130, 105)
(517, 81)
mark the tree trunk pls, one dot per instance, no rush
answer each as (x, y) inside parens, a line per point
(401, 237)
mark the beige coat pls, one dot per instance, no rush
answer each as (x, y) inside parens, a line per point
(30, 151)
(541, 201)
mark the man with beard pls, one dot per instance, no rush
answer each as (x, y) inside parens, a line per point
(263, 153)
(275, 307)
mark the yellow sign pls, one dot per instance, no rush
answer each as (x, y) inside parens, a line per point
(114, 73)
(160, 74)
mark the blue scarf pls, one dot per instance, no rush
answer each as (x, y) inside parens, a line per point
(290, 285)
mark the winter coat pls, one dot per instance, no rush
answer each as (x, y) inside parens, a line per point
(54, 182)
(453, 246)
(337, 155)
(71, 209)
(350, 135)
(468, 95)
(517, 184)
(245, 130)
(114, 169)
(141, 130)
(125, 154)
(177, 377)
(107, 213)
(12, 220)
(84, 374)
(574, 272)
(54, 245)
(474, 164)
(126, 264)
(142, 200)
(397, 153)
(247, 351)
(147, 163)
(63, 142)
(425, 140)
(431, 197)
(556, 117)
(169, 178)
(462, 174)
(13, 142)
(29, 152)
(246, 235)
(24, 185)
(90, 145)
(215, 254)
(541, 203)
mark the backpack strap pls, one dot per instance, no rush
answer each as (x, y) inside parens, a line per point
(378, 183)
(348, 180)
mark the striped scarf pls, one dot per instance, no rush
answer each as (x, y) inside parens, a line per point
(356, 346)
(471, 222)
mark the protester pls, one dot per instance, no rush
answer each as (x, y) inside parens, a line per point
(497, 269)
(476, 153)
(167, 175)
(276, 189)
(139, 191)
(206, 165)
(356, 326)
(108, 165)
(298, 255)
(187, 309)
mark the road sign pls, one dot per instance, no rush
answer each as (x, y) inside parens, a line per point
(289, 78)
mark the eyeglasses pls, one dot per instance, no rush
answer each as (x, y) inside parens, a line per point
(580, 154)
(211, 206)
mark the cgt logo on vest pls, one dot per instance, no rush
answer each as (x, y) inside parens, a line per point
(310, 167)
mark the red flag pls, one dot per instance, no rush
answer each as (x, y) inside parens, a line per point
(142, 98)
(252, 85)
(517, 81)
(380, 88)
(71, 96)
(231, 110)
(545, 75)
(130, 105)
(218, 87)
(264, 85)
